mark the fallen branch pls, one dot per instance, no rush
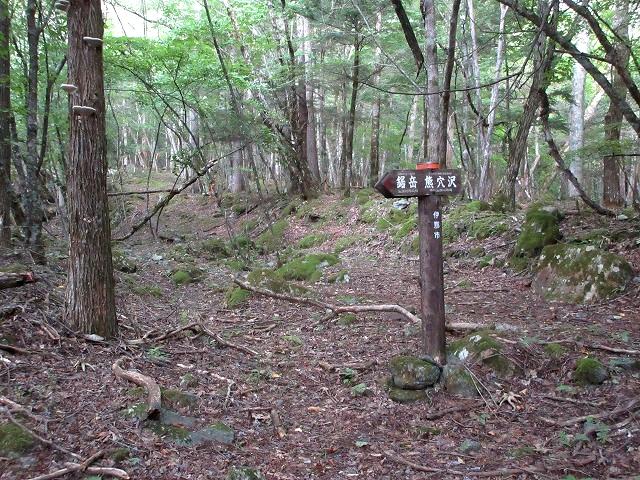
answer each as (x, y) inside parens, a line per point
(354, 366)
(339, 309)
(75, 467)
(14, 350)
(13, 280)
(592, 346)
(629, 407)
(144, 192)
(491, 473)
(16, 407)
(154, 396)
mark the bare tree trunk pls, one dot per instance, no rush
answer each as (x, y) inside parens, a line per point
(5, 131)
(576, 112)
(413, 123)
(32, 203)
(90, 304)
(351, 122)
(312, 142)
(612, 193)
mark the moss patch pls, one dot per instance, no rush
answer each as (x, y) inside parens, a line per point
(186, 276)
(272, 239)
(345, 242)
(214, 248)
(580, 274)
(312, 240)
(236, 297)
(589, 371)
(481, 345)
(307, 268)
(554, 350)
(271, 280)
(14, 441)
(540, 228)
(122, 262)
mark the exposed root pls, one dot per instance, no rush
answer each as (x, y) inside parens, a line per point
(154, 396)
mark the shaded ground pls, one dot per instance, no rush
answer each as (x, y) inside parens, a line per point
(333, 430)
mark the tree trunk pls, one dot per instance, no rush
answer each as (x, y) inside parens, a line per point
(612, 193)
(576, 113)
(90, 304)
(32, 203)
(351, 122)
(5, 119)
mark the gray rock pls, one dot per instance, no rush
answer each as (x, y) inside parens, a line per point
(626, 363)
(590, 371)
(218, 432)
(470, 446)
(458, 381)
(406, 396)
(580, 274)
(401, 204)
(413, 373)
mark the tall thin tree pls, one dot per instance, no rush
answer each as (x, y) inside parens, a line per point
(90, 305)
(5, 118)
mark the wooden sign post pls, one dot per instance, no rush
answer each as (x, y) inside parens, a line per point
(427, 183)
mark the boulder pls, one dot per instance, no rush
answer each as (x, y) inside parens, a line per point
(541, 228)
(481, 346)
(589, 371)
(413, 373)
(458, 381)
(580, 274)
(406, 396)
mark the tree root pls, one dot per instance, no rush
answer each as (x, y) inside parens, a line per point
(154, 396)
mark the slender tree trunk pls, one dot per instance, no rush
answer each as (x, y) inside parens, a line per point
(90, 304)
(576, 112)
(5, 120)
(312, 141)
(351, 122)
(32, 203)
(374, 150)
(612, 193)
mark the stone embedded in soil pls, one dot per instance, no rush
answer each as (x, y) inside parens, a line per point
(580, 274)
(406, 396)
(458, 381)
(413, 373)
(626, 363)
(244, 473)
(470, 446)
(540, 228)
(482, 346)
(589, 371)
(218, 432)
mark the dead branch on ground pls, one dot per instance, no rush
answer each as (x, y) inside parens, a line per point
(447, 411)
(632, 406)
(75, 467)
(339, 309)
(154, 396)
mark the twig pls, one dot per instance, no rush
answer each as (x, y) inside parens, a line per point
(593, 346)
(150, 336)
(447, 411)
(14, 350)
(355, 366)
(16, 407)
(571, 400)
(154, 396)
(339, 309)
(228, 344)
(629, 407)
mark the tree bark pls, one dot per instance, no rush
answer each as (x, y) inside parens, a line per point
(576, 113)
(5, 119)
(90, 304)
(31, 200)
(351, 122)
(612, 164)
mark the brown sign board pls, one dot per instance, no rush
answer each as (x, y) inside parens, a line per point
(420, 183)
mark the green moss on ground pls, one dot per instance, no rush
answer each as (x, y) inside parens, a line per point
(307, 268)
(345, 242)
(272, 239)
(122, 262)
(312, 240)
(271, 280)
(341, 277)
(589, 371)
(489, 225)
(214, 248)
(236, 297)
(554, 350)
(186, 275)
(482, 345)
(14, 441)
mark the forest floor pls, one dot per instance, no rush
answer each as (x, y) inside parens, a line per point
(322, 381)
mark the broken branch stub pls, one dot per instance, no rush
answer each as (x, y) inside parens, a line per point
(154, 396)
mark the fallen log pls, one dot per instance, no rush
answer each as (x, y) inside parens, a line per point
(13, 280)
(154, 396)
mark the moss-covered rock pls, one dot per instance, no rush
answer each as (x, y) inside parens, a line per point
(627, 364)
(458, 381)
(482, 346)
(218, 432)
(273, 281)
(14, 441)
(122, 263)
(540, 228)
(312, 240)
(272, 239)
(489, 225)
(580, 274)
(186, 274)
(244, 473)
(412, 373)
(214, 248)
(589, 371)
(307, 268)
(236, 297)
(341, 277)
(475, 219)
(401, 395)
(554, 350)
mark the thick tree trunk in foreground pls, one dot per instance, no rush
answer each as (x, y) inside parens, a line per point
(90, 305)
(5, 119)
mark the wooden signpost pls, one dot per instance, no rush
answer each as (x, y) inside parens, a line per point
(427, 182)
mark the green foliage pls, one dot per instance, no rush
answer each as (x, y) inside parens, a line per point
(590, 371)
(312, 240)
(540, 228)
(272, 239)
(236, 297)
(14, 441)
(307, 268)
(214, 248)
(345, 242)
